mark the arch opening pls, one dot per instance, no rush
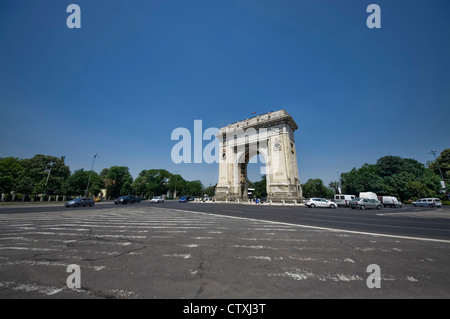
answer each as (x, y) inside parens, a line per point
(252, 175)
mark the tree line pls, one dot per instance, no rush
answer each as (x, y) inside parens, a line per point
(406, 179)
(390, 175)
(49, 175)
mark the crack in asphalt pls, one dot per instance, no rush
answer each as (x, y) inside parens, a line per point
(201, 273)
(339, 240)
(97, 293)
(115, 256)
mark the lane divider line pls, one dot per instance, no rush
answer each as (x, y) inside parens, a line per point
(435, 240)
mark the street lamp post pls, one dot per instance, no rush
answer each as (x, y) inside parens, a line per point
(48, 175)
(90, 174)
(46, 181)
(175, 192)
(442, 176)
(339, 182)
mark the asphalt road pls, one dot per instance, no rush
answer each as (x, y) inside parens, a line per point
(420, 222)
(200, 250)
(410, 221)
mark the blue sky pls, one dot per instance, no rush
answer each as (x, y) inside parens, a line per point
(137, 70)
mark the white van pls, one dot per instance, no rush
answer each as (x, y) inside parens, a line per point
(428, 202)
(390, 201)
(343, 200)
(368, 195)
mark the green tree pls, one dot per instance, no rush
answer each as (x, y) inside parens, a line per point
(177, 182)
(152, 182)
(316, 188)
(118, 181)
(261, 187)
(9, 172)
(334, 186)
(364, 179)
(396, 185)
(392, 165)
(417, 189)
(405, 177)
(35, 172)
(194, 188)
(431, 182)
(24, 185)
(392, 175)
(444, 163)
(77, 182)
(126, 187)
(210, 190)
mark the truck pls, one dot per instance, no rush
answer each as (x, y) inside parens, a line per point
(343, 200)
(368, 195)
(390, 201)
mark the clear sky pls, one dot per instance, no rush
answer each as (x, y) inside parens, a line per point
(137, 70)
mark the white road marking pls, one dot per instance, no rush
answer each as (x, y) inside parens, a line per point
(184, 256)
(31, 287)
(251, 247)
(348, 260)
(28, 248)
(300, 274)
(258, 258)
(322, 228)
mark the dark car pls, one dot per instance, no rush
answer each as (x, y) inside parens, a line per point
(80, 201)
(127, 199)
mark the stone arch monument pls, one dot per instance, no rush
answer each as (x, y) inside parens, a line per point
(270, 135)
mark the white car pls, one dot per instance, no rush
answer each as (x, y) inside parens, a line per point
(320, 202)
(157, 199)
(428, 202)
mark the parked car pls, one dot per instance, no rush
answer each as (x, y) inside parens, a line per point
(428, 202)
(80, 201)
(320, 202)
(183, 200)
(207, 198)
(343, 200)
(127, 199)
(390, 201)
(157, 199)
(365, 203)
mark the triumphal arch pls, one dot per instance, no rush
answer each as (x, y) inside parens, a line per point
(270, 135)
